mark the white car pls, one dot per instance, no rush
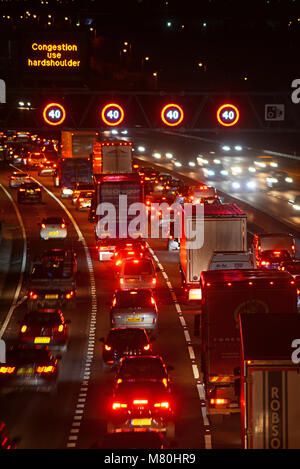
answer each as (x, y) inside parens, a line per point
(53, 228)
(17, 178)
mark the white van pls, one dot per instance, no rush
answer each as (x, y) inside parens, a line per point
(230, 260)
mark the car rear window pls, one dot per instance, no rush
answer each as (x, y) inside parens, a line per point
(146, 368)
(53, 221)
(275, 255)
(47, 319)
(126, 299)
(126, 335)
(142, 267)
(23, 356)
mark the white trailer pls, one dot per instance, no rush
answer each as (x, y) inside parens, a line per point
(224, 228)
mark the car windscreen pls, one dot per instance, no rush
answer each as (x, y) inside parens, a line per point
(127, 299)
(138, 268)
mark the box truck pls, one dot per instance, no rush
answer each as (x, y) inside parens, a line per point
(112, 157)
(270, 381)
(226, 294)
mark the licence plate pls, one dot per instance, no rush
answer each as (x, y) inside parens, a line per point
(42, 340)
(141, 422)
(132, 280)
(53, 233)
(30, 192)
(25, 371)
(133, 319)
(51, 297)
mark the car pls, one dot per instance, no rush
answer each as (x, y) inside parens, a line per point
(295, 203)
(53, 228)
(5, 441)
(273, 241)
(29, 192)
(17, 178)
(197, 193)
(272, 259)
(164, 178)
(138, 273)
(45, 327)
(80, 188)
(265, 162)
(134, 308)
(150, 367)
(29, 368)
(84, 200)
(124, 341)
(134, 438)
(47, 169)
(142, 404)
(279, 179)
(129, 253)
(34, 160)
(242, 184)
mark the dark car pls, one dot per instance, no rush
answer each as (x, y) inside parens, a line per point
(47, 327)
(134, 438)
(29, 192)
(29, 368)
(142, 404)
(122, 342)
(134, 308)
(143, 368)
(272, 259)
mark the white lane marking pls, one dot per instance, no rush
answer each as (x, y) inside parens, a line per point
(86, 374)
(15, 302)
(200, 387)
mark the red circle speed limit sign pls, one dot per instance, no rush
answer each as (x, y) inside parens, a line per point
(112, 114)
(54, 114)
(228, 115)
(172, 114)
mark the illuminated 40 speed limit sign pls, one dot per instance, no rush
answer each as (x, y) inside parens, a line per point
(54, 114)
(172, 114)
(112, 114)
(228, 115)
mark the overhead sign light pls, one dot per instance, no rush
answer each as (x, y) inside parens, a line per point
(112, 114)
(54, 114)
(228, 115)
(172, 115)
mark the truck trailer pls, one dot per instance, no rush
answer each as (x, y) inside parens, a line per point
(112, 157)
(270, 381)
(226, 294)
(225, 228)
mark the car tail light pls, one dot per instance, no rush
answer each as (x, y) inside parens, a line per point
(37, 189)
(152, 300)
(114, 302)
(164, 405)
(107, 347)
(133, 293)
(63, 225)
(265, 263)
(54, 166)
(276, 252)
(23, 329)
(69, 295)
(41, 165)
(29, 159)
(43, 226)
(121, 281)
(22, 190)
(45, 369)
(12, 177)
(7, 369)
(80, 199)
(147, 347)
(136, 261)
(154, 281)
(165, 382)
(60, 328)
(140, 402)
(219, 401)
(32, 295)
(131, 253)
(118, 262)
(118, 405)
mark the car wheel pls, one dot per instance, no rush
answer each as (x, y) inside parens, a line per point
(170, 430)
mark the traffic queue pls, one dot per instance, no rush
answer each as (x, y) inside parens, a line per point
(224, 276)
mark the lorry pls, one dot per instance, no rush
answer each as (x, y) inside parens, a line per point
(224, 228)
(52, 280)
(77, 144)
(270, 381)
(70, 172)
(226, 294)
(108, 188)
(112, 157)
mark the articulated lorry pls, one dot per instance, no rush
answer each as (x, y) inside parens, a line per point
(226, 294)
(224, 228)
(270, 381)
(112, 157)
(115, 189)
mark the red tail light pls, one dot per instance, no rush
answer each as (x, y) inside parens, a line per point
(147, 347)
(7, 369)
(60, 328)
(69, 295)
(107, 347)
(276, 252)
(140, 402)
(32, 295)
(121, 281)
(45, 369)
(118, 405)
(164, 405)
(219, 401)
(154, 281)
(23, 329)
(80, 199)
(63, 225)
(43, 226)
(152, 300)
